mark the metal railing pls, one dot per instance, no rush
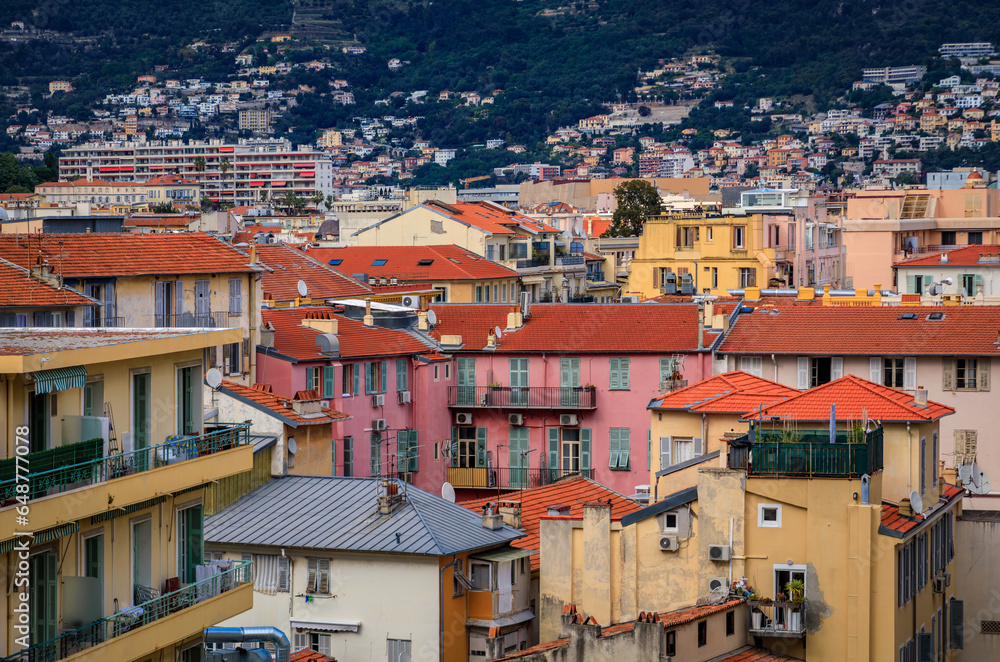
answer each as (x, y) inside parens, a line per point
(101, 322)
(534, 262)
(807, 453)
(217, 320)
(533, 397)
(568, 260)
(133, 618)
(595, 276)
(777, 619)
(505, 478)
(119, 465)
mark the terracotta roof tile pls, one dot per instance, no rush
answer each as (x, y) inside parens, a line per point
(18, 289)
(289, 266)
(754, 654)
(125, 254)
(356, 340)
(281, 405)
(834, 330)
(966, 256)
(572, 492)
(446, 262)
(307, 655)
(576, 328)
(733, 392)
(893, 520)
(491, 218)
(854, 397)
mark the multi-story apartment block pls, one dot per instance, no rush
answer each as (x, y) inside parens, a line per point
(894, 75)
(971, 50)
(255, 119)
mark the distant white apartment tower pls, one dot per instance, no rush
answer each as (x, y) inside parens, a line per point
(976, 50)
(893, 75)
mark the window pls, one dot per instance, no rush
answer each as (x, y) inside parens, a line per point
(715, 278)
(481, 576)
(518, 381)
(668, 368)
(674, 450)
(892, 372)
(318, 576)
(970, 283)
(375, 376)
(975, 238)
(407, 451)
(948, 238)
(437, 373)
(702, 633)
(934, 458)
(398, 650)
(496, 293)
(189, 412)
(966, 374)
(670, 643)
(468, 447)
(93, 558)
(348, 453)
(503, 289)
(923, 464)
(401, 384)
(479, 293)
(570, 451)
(93, 398)
(709, 233)
(329, 382)
(314, 379)
(753, 365)
(190, 542)
(379, 263)
(350, 379)
(235, 297)
(730, 623)
(687, 237)
(315, 641)
(620, 374)
(769, 515)
(739, 236)
(814, 371)
(669, 522)
(517, 455)
(375, 449)
(748, 277)
(619, 444)
(447, 372)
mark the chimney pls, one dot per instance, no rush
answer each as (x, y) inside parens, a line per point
(904, 507)
(306, 403)
(422, 323)
(514, 320)
(568, 616)
(920, 397)
(253, 251)
(369, 319)
(511, 513)
(701, 325)
(492, 520)
(944, 258)
(322, 322)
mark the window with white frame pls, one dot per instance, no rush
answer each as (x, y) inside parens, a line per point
(769, 515)
(315, 641)
(752, 365)
(480, 574)
(669, 522)
(398, 650)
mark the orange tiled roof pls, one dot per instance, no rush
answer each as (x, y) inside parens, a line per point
(845, 331)
(289, 266)
(967, 256)
(576, 328)
(572, 492)
(356, 340)
(307, 655)
(754, 654)
(18, 289)
(125, 254)
(160, 221)
(170, 180)
(280, 405)
(898, 525)
(854, 397)
(732, 392)
(491, 218)
(409, 263)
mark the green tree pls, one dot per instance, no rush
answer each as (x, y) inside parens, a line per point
(199, 164)
(636, 200)
(163, 208)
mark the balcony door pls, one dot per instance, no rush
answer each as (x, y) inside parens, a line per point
(142, 554)
(202, 308)
(519, 382)
(189, 400)
(38, 417)
(517, 460)
(140, 418)
(465, 380)
(569, 382)
(43, 589)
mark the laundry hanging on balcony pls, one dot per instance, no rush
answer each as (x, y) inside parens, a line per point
(59, 379)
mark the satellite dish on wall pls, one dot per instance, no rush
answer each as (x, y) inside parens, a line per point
(432, 317)
(447, 492)
(292, 446)
(497, 332)
(916, 502)
(214, 378)
(979, 482)
(303, 290)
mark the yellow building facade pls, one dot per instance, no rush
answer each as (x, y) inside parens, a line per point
(711, 253)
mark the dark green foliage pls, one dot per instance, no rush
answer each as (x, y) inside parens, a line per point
(636, 200)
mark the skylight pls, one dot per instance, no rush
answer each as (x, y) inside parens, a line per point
(379, 263)
(425, 262)
(335, 263)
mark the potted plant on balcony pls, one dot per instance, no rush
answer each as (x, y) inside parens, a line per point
(756, 615)
(796, 589)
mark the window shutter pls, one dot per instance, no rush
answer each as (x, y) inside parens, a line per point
(948, 375)
(925, 647)
(585, 449)
(656, 274)
(481, 446)
(402, 450)
(311, 575)
(699, 447)
(369, 375)
(614, 441)
(923, 464)
(649, 450)
(957, 624)
(329, 385)
(624, 447)
(400, 374)
(554, 451)
(382, 382)
(934, 458)
(875, 369)
(910, 373)
(978, 284)
(836, 367)
(983, 374)
(911, 284)
(324, 575)
(160, 304)
(357, 377)
(665, 443)
(803, 365)
(624, 368)
(454, 446)
(414, 458)
(615, 374)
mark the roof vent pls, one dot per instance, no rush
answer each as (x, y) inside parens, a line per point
(558, 510)
(329, 344)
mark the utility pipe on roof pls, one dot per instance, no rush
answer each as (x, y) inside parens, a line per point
(283, 649)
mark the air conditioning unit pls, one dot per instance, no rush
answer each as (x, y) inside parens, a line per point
(515, 419)
(716, 583)
(411, 302)
(463, 418)
(939, 584)
(378, 400)
(669, 544)
(718, 552)
(568, 420)
(404, 398)
(631, 298)
(378, 425)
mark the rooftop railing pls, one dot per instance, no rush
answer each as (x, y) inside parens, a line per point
(807, 453)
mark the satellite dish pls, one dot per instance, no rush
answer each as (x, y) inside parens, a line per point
(448, 492)
(432, 317)
(965, 473)
(214, 378)
(980, 483)
(497, 332)
(292, 446)
(916, 502)
(578, 230)
(303, 290)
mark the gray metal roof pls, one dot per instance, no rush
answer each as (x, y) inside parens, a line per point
(262, 441)
(669, 503)
(323, 512)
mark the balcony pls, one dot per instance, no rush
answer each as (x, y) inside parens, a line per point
(102, 322)
(504, 478)
(568, 260)
(533, 263)
(122, 478)
(534, 397)
(217, 320)
(807, 453)
(777, 619)
(143, 628)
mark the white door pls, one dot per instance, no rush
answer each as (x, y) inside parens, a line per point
(505, 600)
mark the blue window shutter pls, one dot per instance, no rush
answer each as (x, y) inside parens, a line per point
(911, 284)
(414, 463)
(615, 378)
(613, 443)
(401, 374)
(329, 385)
(553, 451)
(369, 374)
(357, 378)
(333, 456)
(585, 449)
(624, 443)
(624, 378)
(385, 370)
(481, 446)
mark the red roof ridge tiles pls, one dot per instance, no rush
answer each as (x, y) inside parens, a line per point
(18, 288)
(725, 392)
(289, 265)
(447, 262)
(893, 520)
(966, 256)
(282, 406)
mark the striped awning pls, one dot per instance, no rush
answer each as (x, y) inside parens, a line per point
(42, 537)
(59, 379)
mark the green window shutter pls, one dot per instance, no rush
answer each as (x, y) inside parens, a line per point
(979, 281)
(481, 446)
(624, 450)
(624, 378)
(400, 374)
(585, 449)
(382, 382)
(402, 450)
(957, 614)
(911, 284)
(369, 378)
(329, 385)
(357, 378)
(553, 451)
(333, 457)
(615, 378)
(613, 443)
(564, 378)
(414, 463)
(454, 446)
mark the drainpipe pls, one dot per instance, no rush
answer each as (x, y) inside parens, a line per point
(454, 560)
(283, 649)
